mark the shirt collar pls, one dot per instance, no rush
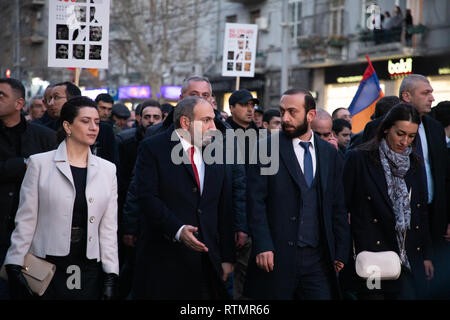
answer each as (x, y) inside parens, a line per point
(187, 145)
(296, 141)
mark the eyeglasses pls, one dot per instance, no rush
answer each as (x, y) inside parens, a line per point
(56, 98)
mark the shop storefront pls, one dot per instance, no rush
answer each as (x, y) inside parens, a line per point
(341, 82)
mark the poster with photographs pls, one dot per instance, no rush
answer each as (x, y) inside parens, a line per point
(78, 33)
(239, 50)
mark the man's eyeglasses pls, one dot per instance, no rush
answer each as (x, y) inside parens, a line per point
(55, 98)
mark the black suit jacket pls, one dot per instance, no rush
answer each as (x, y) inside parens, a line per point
(169, 198)
(274, 203)
(437, 150)
(372, 216)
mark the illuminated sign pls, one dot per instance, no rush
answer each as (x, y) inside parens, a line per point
(444, 70)
(349, 79)
(171, 92)
(401, 68)
(135, 92)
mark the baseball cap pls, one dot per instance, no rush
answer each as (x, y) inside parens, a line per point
(242, 96)
(259, 109)
(121, 111)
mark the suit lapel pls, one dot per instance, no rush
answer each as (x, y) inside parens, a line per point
(186, 159)
(322, 160)
(62, 162)
(92, 167)
(377, 173)
(289, 158)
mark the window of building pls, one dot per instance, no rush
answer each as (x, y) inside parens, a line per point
(295, 17)
(336, 17)
(254, 15)
(231, 19)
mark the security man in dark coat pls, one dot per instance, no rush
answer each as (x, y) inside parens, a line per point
(19, 140)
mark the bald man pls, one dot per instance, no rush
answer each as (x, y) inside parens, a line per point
(322, 125)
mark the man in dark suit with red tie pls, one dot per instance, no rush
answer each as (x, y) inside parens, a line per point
(186, 245)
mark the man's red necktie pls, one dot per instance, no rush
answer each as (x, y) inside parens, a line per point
(194, 167)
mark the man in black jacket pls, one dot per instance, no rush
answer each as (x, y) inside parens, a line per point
(431, 147)
(19, 140)
(242, 110)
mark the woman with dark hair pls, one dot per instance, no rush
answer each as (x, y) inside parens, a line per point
(385, 194)
(68, 213)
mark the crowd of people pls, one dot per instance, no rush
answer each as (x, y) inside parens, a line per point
(390, 27)
(89, 184)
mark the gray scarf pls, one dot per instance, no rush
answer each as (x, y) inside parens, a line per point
(395, 166)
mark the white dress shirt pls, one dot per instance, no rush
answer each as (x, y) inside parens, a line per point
(199, 163)
(426, 160)
(300, 152)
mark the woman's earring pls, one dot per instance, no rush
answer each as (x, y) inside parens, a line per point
(68, 134)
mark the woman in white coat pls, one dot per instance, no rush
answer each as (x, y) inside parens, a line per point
(68, 213)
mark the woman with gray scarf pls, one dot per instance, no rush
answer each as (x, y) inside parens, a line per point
(385, 191)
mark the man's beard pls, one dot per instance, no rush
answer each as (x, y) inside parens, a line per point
(299, 130)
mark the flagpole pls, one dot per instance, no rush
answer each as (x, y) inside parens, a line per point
(77, 76)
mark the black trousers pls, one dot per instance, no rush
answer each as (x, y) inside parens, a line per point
(314, 278)
(212, 288)
(76, 277)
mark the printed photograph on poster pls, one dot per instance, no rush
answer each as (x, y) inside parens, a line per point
(95, 52)
(62, 51)
(240, 44)
(78, 51)
(78, 34)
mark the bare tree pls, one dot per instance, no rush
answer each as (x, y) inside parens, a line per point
(152, 37)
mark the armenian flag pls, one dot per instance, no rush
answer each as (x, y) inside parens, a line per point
(363, 103)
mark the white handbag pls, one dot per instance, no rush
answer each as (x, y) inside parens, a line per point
(385, 265)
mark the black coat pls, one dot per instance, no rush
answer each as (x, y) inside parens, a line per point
(34, 139)
(127, 144)
(274, 203)
(48, 121)
(105, 145)
(437, 150)
(169, 198)
(372, 216)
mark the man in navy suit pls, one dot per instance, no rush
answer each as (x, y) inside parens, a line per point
(186, 246)
(297, 217)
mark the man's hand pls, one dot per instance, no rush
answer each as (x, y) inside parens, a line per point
(338, 265)
(264, 261)
(429, 269)
(240, 238)
(333, 141)
(129, 240)
(188, 238)
(227, 269)
(447, 235)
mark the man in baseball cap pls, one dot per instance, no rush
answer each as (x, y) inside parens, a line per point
(120, 114)
(242, 106)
